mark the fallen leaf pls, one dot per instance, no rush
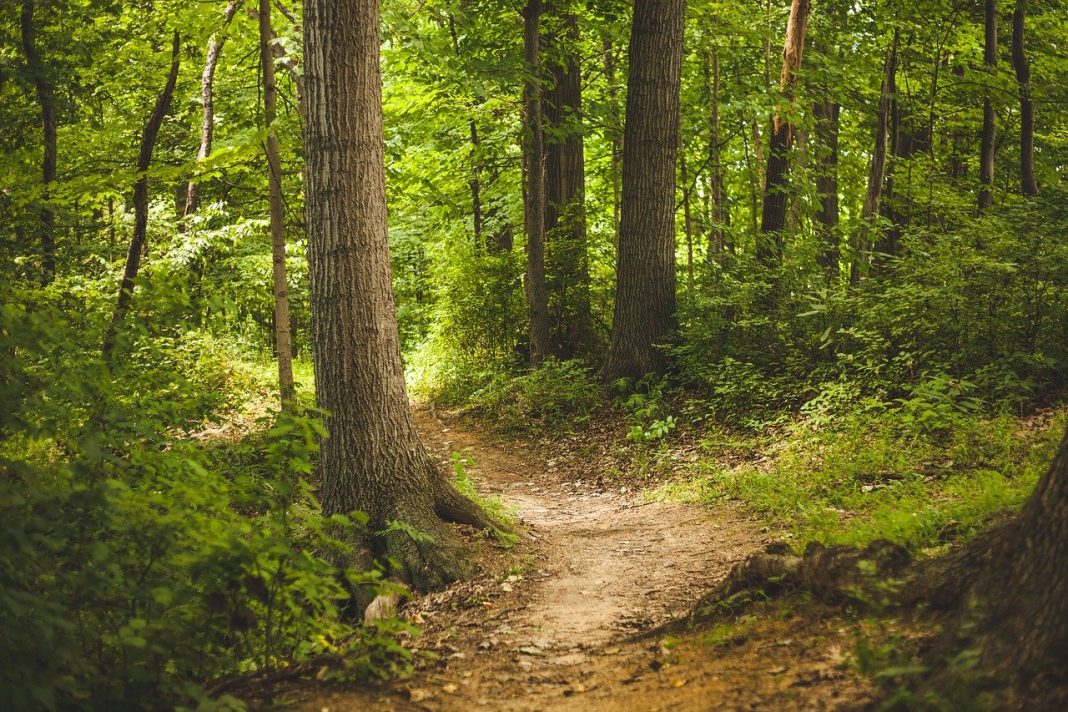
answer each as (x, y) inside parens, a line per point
(450, 688)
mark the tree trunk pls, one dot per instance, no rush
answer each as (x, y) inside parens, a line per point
(565, 193)
(720, 217)
(615, 134)
(474, 183)
(1028, 184)
(46, 99)
(373, 460)
(989, 138)
(645, 271)
(207, 100)
(687, 215)
(773, 220)
(826, 113)
(534, 145)
(283, 341)
(140, 201)
(876, 171)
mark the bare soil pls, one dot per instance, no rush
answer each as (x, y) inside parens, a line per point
(567, 619)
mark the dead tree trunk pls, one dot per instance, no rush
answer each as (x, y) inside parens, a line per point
(283, 339)
(987, 144)
(373, 460)
(645, 271)
(1028, 184)
(140, 201)
(207, 100)
(769, 243)
(534, 145)
(47, 102)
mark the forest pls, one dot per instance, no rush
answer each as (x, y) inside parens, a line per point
(535, 354)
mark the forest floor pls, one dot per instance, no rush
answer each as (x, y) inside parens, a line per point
(568, 618)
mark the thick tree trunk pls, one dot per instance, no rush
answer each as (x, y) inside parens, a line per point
(207, 100)
(47, 102)
(140, 201)
(565, 205)
(283, 340)
(877, 169)
(373, 460)
(534, 203)
(773, 220)
(987, 143)
(826, 113)
(645, 271)
(1028, 184)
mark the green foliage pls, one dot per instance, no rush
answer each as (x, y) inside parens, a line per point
(646, 408)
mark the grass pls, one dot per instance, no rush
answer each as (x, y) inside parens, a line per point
(867, 477)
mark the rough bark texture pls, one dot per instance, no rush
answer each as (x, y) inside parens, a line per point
(826, 113)
(283, 340)
(47, 102)
(534, 203)
(140, 201)
(773, 220)
(987, 143)
(645, 270)
(207, 100)
(1028, 184)
(373, 460)
(568, 278)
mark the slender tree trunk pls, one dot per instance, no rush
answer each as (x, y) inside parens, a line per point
(283, 340)
(989, 137)
(534, 283)
(720, 218)
(645, 272)
(140, 201)
(615, 134)
(826, 113)
(565, 205)
(877, 170)
(373, 460)
(207, 100)
(687, 220)
(47, 102)
(1028, 184)
(474, 182)
(769, 245)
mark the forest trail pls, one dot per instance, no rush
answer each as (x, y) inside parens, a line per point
(556, 630)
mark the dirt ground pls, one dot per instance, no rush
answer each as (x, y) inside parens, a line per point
(562, 620)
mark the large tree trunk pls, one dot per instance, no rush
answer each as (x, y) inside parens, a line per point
(987, 143)
(1028, 184)
(645, 269)
(565, 204)
(534, 203)
(46, 99)
(773, 220)
(207, 100)
(283, 340)
(373, 460)
(877, 169)
(140, 201)
(826, 113)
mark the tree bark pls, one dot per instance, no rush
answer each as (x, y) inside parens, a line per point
(1028, 184)
(47, 102)
(140, 201)
(773, 220)
(645, 273)
(207, 100)
(534, 145)
(373, 460)
(283, 340)
(826, 113)
(989, 138)
(565, 205)
(719, 219)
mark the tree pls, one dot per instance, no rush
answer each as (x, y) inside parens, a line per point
(988, 142)
(373, 461)
(283, 341)
(773, 220)
(645, 270)
(534, 203)
(47, 102)
(1028, 184)
(140, 201)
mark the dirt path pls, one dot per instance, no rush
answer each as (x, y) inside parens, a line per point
(555, 630)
